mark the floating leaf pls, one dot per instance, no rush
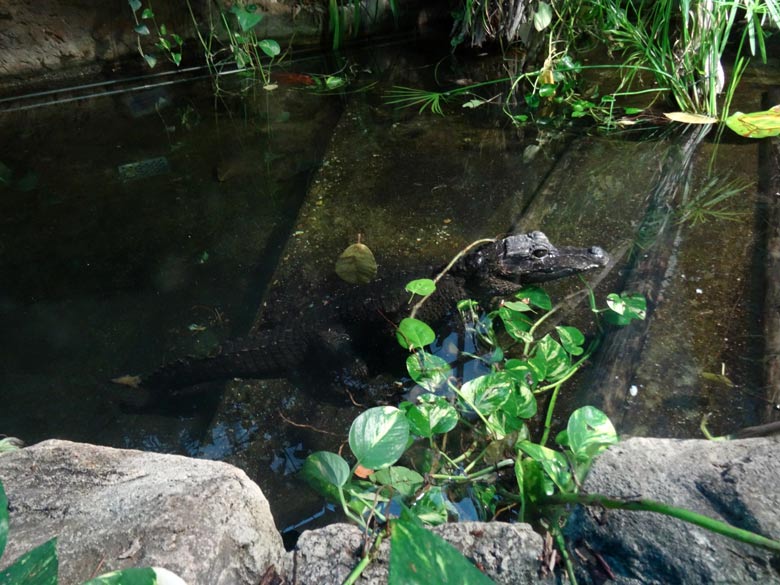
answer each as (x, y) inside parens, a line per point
(414, 334)
(756, 124)
(378, 437)
(356, 265)
(687, 118)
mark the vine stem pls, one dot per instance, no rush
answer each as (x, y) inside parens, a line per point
(477, 474)
(447, 268)
(668, 510)
(364, 562)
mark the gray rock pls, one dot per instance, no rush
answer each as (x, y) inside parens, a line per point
(507, 553)
(113, 508)
(734, 481)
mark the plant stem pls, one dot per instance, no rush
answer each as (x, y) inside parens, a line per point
(548, 418)
(668, 510)
(561, 544)
(477, 474)
(364, 562)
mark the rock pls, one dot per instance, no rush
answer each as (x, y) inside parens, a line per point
(507, 553)
(113, 508)
(732, 481)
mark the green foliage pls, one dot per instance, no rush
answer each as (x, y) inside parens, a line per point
(248, 52)
(379, 436)
(492, 411)
(419, 556)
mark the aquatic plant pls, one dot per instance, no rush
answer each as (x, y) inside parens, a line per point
(474, 439)
(236, 25)
(710, 200)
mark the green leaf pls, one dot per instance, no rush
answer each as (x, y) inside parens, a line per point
(163, 44)
(571, 339)
(163, 30)
(518, 306)
(379, 436)
(431, 508)
(756, 124)
(589, 432)
(474, 103)
(557, 361)
(323, 466)
(135, 5)
(547, 90)
(542, 16)
(521, 402)
(428, 370)
(151, 60)
(248, 16)
(625, 308)
(515, 323)
(522, 372)
(421, 286)
(131, 576)
(418, 556)
(414, 334)
(176, 58)
(489, 392)
(554, 464)
(357, 264)
(432, 416)
(36, 567)
(403, 480)
(334, 81)
(535, 296)
(142, 29)
(3, 519)
(147, 13)
(536, 483)
(270, 47)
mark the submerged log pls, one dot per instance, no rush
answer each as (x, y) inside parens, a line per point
(657, 243)
(769, 177)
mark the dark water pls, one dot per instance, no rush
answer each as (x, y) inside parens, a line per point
(147, 225)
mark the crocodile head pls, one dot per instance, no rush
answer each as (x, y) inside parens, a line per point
(526, 258)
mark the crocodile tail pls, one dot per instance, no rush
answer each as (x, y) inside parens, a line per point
(235, 360)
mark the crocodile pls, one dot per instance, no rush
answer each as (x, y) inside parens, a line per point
(360, 317)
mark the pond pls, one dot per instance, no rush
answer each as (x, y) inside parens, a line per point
(149, 221)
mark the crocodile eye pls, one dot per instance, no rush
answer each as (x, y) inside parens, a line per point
(539, 253)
